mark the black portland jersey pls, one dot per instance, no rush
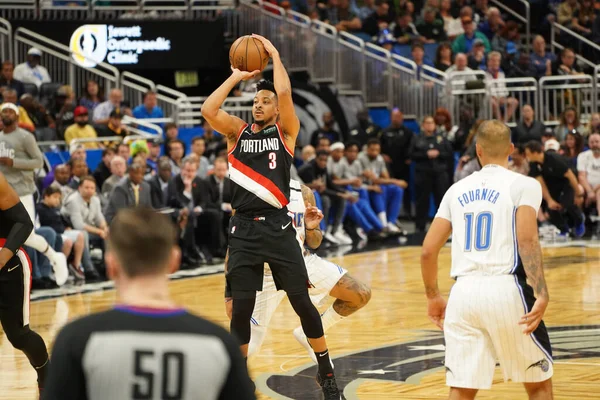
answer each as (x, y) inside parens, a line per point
(259, 167)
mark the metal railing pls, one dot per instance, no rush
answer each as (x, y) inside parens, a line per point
(324, 52)
(461, 95)
(5, 40)
(18, 9)
(432, 90)
(351, 81)
(59, 60)
(377, 74)
(558, 92)
(512, 93)
(525, 19)
(298, 32)
(68, 11)
(569, 37)
(404, 78)
(188, 113)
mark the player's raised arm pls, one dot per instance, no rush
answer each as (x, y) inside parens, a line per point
(530, 252)
(283, 87)
(220, 120)
(312, 219)
(15, 211)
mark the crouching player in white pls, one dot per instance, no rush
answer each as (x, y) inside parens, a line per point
(326, 278)
(492, 313)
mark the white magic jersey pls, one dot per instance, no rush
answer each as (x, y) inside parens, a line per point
(482, 209)
(296, 209)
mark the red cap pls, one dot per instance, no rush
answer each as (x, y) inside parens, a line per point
(80, 110)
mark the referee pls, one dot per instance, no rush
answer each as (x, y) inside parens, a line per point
(146, 347)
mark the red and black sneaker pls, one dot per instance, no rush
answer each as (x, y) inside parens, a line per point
(329, 386)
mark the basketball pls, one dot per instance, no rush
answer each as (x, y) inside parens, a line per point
(248, 54)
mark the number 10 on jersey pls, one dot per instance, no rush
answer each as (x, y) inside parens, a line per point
(481, 225)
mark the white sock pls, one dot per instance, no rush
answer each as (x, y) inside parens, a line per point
(330, 317)
(40, 244)
(257, 337)
(383, 218)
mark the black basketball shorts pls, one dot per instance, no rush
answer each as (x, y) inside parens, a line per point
(258, 239)
(15, 287)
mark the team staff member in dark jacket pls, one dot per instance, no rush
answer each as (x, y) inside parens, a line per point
(395, 149)
(365, 129)
(431, 153)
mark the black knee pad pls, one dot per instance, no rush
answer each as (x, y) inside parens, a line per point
(309, 316)
(18, 336)
(240, 318)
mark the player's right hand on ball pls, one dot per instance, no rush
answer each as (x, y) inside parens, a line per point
(244, 75)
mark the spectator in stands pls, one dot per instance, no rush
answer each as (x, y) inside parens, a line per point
(564, 195)
(405, 31)
(102, 171)
(8, 81)
(123, 151)
(518, 162)
(378, 20)
(79, 170)
(443, 57)
(186, 190)
(48, 211)
(159, 183)
(480, 10)
(430, 152)
(118, 166)
(218, 188)
(24, 122)
(198, 148)
(460, 65)
(476, 58)
(540, 58)
(308, 153)
(566, 11)
(114, 127)
(418, 56)
(501, 101)
(62, 108)
(443, 123)
(593, 125)
(583, 18)
(83, 212)
(569, 122)
(452, 25)
(463, 43)
(365, 129)
(81, 129)
(176, 153)
(368, 7)
(102, 112)
(396, 140)
(361, 212)
(431, 28)
(62, 174)
(41, 118)
(31, 71)
(323, 143)
(492, 24)
(588, 169)
(327, 130)
(172, 132)
(91, 97)
(346, 19)
(139, 154)
(528, 128)
(507, 39)
(148, 110)
(387, 204)
(315, 176)
(572, 148)
(77, 151)
(131, 191)
(565, 65)
(518, 68)
(154, 154)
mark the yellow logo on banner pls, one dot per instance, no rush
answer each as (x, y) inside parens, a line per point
(89, 45)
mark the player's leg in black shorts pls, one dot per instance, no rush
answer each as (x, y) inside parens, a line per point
(15, 286)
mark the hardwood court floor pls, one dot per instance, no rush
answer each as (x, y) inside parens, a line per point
(383, 365)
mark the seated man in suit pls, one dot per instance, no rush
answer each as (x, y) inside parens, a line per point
(218, 188)
(132, 191)
(160, 182)
(186, 190)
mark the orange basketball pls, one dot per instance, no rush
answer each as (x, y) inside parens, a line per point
(248, 54)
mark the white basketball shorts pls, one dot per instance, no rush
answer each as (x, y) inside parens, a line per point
(481, 327)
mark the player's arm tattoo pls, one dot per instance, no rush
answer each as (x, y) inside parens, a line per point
(314, 237)
(355, 295)
(531, 257)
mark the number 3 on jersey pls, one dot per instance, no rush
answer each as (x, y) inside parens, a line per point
(272, 160)
(483, 231)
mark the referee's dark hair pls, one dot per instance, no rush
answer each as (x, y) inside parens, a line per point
(142, 241)
(534, 146)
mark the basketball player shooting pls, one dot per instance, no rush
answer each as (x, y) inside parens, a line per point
(15, 281)
(492, 312)
(328, 279)
(260, 157)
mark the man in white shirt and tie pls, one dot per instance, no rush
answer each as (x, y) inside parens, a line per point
(31, 71)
